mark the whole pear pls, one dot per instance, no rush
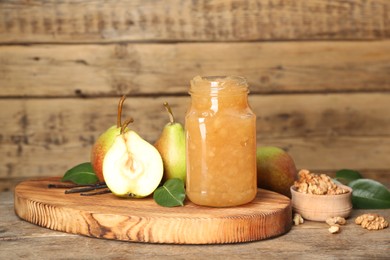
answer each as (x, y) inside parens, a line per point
(172, 147)
(276, 169)
(104, 142)
(132, 167)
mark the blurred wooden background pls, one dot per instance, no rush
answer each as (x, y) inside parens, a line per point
(319, 74)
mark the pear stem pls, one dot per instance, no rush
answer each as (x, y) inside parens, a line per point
(125, 124)
(169, 110)
(119, 115)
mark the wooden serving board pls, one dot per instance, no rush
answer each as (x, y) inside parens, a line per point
(142, 220)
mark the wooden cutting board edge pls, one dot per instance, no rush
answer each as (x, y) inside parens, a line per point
(269, 215)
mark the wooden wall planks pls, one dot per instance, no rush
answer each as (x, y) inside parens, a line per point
(181, 20)
(139, 69)
(319, 73)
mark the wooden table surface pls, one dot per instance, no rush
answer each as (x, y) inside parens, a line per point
(311, 240)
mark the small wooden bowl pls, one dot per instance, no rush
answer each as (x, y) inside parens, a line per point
(321, 207)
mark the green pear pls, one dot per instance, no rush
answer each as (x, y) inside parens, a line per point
(132, 167)
(172, 146)
(104, 142)
(276, 170)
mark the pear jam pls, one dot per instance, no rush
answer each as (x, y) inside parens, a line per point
(220, 143)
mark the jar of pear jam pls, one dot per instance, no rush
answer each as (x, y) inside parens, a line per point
(221, 143)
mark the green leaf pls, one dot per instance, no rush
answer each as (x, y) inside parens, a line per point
(81, 174)
(345, 176)
(369, 194)
(171, 194)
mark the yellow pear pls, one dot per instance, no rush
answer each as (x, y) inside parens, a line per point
(172, 147)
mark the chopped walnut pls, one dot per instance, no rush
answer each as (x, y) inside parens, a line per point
(297, 219)
(311, 183)
(334, 229)
(335, 220)
(372, 221)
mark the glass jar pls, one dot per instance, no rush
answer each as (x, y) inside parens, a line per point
(221, 143)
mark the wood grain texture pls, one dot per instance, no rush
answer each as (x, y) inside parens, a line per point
(308, 241)
(180, 20)
(156, 69)
(142, 220)
(46, 137)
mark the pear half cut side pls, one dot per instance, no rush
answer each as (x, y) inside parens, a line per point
(132, 167)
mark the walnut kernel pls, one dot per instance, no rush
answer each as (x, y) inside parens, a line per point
(311, 183)
(335, 220)
(334, 229)
(372, 221)
(297, 219)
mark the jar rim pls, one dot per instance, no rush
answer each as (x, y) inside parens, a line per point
(220, 78)
(215, 84)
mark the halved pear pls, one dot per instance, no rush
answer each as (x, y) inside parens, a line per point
(132, 167)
